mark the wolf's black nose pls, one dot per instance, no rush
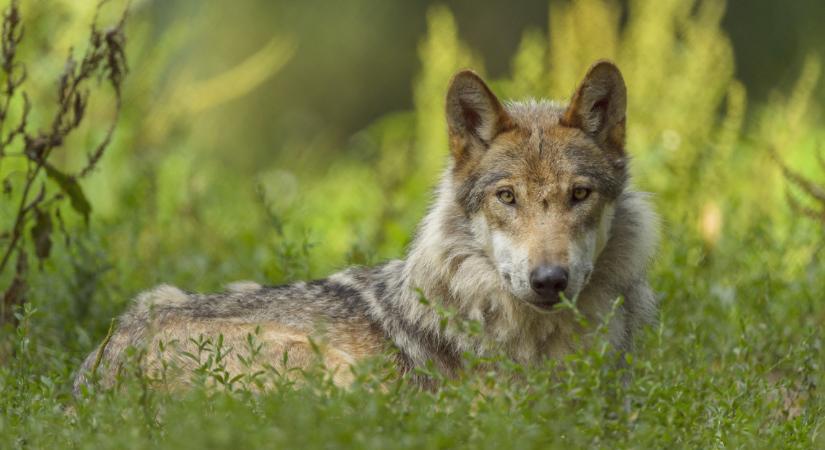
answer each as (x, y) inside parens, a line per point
(548, 281)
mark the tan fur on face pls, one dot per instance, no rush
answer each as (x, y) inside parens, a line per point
(542, 161)
(541, 156)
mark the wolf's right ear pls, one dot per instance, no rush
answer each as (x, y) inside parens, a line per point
(474, 114)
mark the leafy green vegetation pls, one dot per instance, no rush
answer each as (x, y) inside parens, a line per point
(735, 362)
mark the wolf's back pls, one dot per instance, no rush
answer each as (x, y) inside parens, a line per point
(287, 318)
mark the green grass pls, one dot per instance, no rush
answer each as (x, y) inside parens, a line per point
(734, 363)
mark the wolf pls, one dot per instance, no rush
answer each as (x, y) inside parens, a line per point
(533, 208)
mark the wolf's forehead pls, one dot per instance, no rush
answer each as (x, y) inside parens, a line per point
(539, 145)
(535, 114)
(539, 134)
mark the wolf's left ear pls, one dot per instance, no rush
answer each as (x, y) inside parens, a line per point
(474, 114)
(599, 106)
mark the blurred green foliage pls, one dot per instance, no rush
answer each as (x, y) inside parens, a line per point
(211, 179)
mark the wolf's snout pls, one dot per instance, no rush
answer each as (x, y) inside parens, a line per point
(548, 281)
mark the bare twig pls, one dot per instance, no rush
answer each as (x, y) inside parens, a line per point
(102, 349)
(104, 59)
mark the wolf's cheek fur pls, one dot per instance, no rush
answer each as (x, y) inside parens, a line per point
(605, 227)
(510, 260)
(585, 249)
(581, 253)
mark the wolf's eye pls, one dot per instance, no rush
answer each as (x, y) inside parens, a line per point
(506, 196)
(580, 193)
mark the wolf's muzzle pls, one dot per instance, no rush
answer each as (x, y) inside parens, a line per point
(548, 281)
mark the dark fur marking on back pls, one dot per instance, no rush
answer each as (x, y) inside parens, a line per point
(351, 300)
(443, 353)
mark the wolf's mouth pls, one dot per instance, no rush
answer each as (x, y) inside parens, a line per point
(544, 305)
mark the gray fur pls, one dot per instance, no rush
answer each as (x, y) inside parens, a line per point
(448, 265)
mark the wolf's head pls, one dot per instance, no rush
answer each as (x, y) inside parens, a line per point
(538, 180)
